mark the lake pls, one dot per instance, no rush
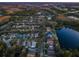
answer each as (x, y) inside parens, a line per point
(68, 38)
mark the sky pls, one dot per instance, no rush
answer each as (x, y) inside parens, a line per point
(39, 0)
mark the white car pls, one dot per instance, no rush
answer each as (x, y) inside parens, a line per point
(33, 44)
(51, 47)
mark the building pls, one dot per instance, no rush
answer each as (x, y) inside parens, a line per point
(28, 23)
(4, 18)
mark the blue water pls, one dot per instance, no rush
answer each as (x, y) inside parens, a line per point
(68, 38)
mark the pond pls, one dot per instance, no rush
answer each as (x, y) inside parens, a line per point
(68, 38)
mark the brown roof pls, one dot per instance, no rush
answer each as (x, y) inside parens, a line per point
(60, 17)
(4, 18)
